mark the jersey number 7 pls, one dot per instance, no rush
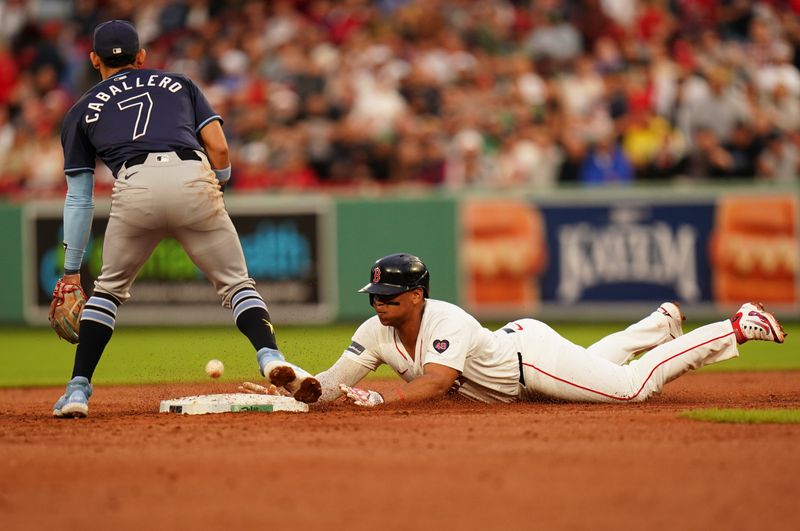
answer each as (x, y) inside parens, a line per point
(144, 106)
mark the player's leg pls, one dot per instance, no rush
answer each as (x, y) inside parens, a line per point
(213, 245)
(661, 326)
(125, 250)
(706, 345)
(559, 370)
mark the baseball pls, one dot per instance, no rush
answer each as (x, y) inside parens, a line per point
(215, 368)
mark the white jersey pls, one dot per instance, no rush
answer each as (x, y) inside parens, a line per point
(487, 361)
(526, 359)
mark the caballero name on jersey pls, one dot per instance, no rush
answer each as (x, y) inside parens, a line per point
(165, 82)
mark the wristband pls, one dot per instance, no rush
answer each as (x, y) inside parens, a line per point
(400, 394)
(223, 175)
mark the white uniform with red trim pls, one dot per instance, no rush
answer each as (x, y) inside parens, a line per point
(526, 358)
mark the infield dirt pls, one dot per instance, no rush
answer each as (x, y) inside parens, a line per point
(446, 465)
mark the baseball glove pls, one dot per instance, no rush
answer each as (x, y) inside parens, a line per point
(65, 310)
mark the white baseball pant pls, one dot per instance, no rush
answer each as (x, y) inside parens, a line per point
(555, 367)
(167, 196)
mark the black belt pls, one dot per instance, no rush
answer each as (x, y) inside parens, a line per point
(519, 358)
(183, 154)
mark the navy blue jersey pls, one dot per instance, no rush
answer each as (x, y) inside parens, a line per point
(131, 113)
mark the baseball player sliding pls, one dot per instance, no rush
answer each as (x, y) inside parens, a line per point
(437, 347)
(167, 150)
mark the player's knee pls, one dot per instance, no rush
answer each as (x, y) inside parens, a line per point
(119, 295)
(229, 291)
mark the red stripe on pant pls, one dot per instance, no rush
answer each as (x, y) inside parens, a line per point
(625, 398)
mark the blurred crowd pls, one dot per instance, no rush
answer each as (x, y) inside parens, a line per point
(434, 93)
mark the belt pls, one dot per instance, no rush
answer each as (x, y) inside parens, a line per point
(521, 374)
(183, 154)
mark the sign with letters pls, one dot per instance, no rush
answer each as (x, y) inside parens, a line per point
(284, 248)
(618, 256)
(628, 252)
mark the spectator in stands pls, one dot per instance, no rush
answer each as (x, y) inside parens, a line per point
(707, 158)
(606, 163)
(450, 93)
(467, 164)
(651, 144)
(714, 102)
(553, 41)
(574, 148)
(744, 147)
(779, 159)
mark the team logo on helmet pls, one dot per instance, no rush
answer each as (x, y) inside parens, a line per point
(440, 345)
(376, 275)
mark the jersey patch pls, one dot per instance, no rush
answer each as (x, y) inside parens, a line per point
(440, 345)
(355, 348)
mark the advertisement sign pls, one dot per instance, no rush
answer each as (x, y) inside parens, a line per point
(755, 249)
(617, 257)
(628, 251)
(503, 254)
(284, 249)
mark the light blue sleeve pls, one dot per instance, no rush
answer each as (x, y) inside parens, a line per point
(223, 175)
(78, 214)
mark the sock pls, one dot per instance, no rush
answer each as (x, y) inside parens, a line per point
(252, 318)
(97, 324)
(267, 355)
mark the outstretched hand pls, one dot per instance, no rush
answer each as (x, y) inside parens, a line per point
(361, 397)
(256, 389)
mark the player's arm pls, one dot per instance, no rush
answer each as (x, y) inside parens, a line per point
(79, 164)
(435, 382)
(216, 145)
(344, 371)
(68, 296)
(78, 214)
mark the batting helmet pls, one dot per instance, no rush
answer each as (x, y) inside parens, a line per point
(397, 273)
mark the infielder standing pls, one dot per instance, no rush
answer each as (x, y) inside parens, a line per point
(167, 150)
(437, 347)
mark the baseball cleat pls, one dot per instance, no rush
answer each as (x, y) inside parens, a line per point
(676, 318)
(309, 390)
(752, 321)
(304, 387)
(74, 403)
(280, 373)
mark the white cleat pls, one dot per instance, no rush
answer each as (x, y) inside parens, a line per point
(676, 318)
(303, 386)
(752, 321)
(280, 373)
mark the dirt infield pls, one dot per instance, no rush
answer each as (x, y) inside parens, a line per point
(445, 466)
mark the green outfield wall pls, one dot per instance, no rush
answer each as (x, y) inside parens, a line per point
(11, 311)
(369, 229)
(574, 254)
